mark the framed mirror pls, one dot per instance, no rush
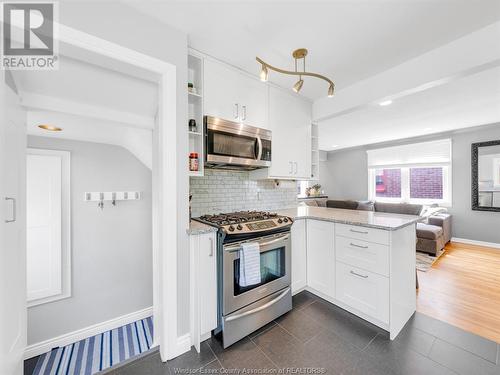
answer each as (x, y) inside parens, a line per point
(486, 176)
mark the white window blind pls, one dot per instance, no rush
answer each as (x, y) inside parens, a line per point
(424, 153)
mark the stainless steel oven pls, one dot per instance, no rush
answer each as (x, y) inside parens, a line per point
(236, 146)
(245, 309)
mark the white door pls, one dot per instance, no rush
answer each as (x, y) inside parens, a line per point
(44, 224)
(299, 256)
(321, 256)
(12, 232)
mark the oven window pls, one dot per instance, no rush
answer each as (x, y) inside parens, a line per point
(272, 267)
(231, 145)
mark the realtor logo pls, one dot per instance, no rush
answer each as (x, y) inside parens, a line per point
(29, 36)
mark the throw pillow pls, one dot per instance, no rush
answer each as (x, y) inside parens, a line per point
(366, 206)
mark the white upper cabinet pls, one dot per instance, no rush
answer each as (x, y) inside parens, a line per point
(290, 122)
(234, 96)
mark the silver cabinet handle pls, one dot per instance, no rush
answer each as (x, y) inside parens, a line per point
(358, 231)
(244, 108)
(13, 219)
(260, 308)
(361, 247)
(359, 275)
(211, 253)
(237, 110)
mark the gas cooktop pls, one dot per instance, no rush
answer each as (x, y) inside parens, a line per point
(246, 222)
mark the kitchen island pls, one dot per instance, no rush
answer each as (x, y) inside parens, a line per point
(362, 261)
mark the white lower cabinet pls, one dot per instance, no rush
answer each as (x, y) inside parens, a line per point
(299, 256)
(203, 286)
(321, 256)
(369, 272)
(362, 290)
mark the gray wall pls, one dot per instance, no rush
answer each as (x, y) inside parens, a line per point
(111, 249)
(345, 176)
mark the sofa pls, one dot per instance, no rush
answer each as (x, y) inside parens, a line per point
(433, 232)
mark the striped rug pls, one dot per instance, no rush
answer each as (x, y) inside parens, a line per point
(96, 353)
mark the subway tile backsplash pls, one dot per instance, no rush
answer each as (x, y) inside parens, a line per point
(227, 191)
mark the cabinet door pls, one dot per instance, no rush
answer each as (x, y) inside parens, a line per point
(290, 122)
(207, 278)
(253, 102)
(299, 256)
(221, 94)
(321, 256)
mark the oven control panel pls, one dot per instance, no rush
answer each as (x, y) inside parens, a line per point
(258, 226)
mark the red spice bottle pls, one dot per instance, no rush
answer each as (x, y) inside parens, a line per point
(193, 162)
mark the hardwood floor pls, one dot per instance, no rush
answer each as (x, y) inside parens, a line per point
(463, 289)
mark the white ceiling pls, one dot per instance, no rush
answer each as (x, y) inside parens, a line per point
(347, 40)
(469, 101)
(91, 103)
(88, 84)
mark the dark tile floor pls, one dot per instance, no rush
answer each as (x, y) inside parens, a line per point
(319, 335)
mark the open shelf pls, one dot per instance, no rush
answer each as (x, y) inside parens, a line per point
(195, 110)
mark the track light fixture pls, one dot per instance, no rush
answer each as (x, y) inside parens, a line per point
(298, 85)
(299, 54)
(264, 73)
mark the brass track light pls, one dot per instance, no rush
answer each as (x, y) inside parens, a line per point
(298, 85)
(264, 73)
(299, 54)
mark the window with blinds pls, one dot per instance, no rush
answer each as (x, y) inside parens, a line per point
(413, 173)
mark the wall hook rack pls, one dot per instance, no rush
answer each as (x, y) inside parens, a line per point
(111, 196)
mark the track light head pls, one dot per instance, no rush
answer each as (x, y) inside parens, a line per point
(330, 90)
(298, 85)
(264, 73)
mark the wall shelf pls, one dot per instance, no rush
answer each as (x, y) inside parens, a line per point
(195, 110)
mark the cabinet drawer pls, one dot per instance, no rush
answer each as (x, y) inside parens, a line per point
(363, 290)
(363, 254)
(363, 233)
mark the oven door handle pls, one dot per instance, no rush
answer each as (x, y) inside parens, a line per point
(267, 243)
(260, 308)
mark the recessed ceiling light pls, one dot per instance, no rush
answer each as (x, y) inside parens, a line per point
(50, 128)
(333, 146)
(385, 102)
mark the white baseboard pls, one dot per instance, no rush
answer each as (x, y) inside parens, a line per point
(71, 337)
(183, 344)
(475, 242)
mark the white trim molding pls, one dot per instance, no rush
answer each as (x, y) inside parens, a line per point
(475, 242)
(71, 337)
(65, 228)
(183, 344)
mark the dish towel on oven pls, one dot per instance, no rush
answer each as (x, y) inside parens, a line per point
(249, 264)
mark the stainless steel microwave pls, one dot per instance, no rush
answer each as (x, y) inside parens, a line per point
(231, 145)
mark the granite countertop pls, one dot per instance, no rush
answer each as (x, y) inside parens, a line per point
(195, 227)
(370, 219)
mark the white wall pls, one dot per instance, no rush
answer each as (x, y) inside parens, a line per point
(111, 249)
(134, 30)
(345, 177)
